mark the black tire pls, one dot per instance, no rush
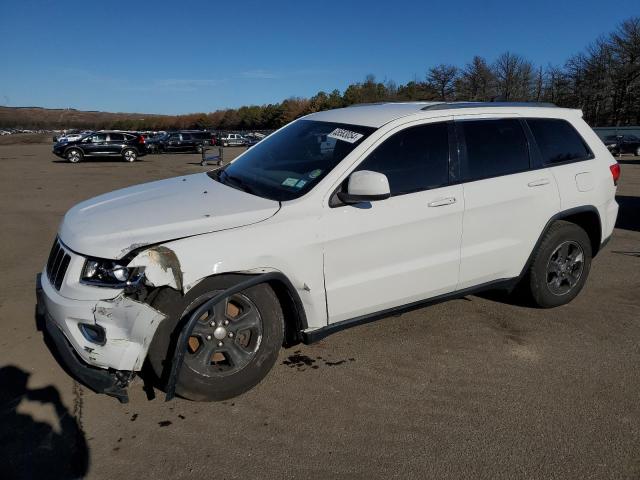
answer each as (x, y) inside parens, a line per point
(74, 155)
(194, 385)
(129, 155)
(550, 281)
(638, 152)
(199, 149)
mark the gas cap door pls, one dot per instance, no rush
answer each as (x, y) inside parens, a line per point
(584, 181)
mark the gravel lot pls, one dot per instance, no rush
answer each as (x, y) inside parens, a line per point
(472, 388)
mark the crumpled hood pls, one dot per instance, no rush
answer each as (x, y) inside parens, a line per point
(113, 224)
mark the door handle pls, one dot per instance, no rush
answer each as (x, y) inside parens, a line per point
(441, 202)
(538, 183)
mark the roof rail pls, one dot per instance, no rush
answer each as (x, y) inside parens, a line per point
(456, 105)
(369, 104)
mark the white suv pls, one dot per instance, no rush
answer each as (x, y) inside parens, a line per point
(337, 219)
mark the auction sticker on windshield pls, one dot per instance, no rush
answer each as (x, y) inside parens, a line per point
(290, 182)
(345, 135)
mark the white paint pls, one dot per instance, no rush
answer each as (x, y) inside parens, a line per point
(584, 181)
(111, 225)
(359, 260)
(365, 182)
(129, 327)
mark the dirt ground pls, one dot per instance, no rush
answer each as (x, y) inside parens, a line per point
(472, 388)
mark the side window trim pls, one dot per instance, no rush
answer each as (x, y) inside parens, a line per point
(535, 155)
(455, 173)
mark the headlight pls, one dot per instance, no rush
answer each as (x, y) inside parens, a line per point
(109, 273)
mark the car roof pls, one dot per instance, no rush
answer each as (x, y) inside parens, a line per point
(378, 114)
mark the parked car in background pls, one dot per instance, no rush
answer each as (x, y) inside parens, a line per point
(251, 139)
(181, 141)
(71, 137)
(152, 143)
(618, 144)
(415, 204)
(126, 145)
(206, 138)
(232, 140)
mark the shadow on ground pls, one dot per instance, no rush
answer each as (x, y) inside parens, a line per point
(629, 213)
(30, 448)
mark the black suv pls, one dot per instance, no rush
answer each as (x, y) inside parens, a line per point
(618, 144)
(128, 146)
(182, 141)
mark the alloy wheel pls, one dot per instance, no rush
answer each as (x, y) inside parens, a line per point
(225, 338)
(565, 267)
(130, 156)
(73, 156)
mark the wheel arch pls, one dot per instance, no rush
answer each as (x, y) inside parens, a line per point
(295, 318)
(73, 147)
(276, 280)
(586, 217)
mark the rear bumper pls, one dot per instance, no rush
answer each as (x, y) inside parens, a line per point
(99, 380)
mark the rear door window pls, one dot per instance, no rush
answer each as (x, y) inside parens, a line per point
(558, 141)
(116, 137)
(494, 147)
(413, 159)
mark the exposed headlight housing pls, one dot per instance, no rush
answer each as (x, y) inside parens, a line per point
(109, 273)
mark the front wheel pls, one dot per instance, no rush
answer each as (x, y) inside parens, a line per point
(130, 155)
(560, 266)
(638, 152)
(233, 346)
(74, 155)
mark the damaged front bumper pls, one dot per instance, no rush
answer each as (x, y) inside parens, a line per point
(106, 364)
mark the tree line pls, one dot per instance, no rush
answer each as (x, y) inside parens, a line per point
(603, 81)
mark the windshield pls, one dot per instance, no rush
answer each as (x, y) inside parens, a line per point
(289, 163)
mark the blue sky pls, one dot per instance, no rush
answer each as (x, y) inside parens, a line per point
(199, 56)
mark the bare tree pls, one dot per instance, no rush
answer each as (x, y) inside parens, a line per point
(514, 76)
(476, 82)
(442, 78)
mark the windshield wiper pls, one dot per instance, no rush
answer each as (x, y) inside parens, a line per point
(234, 182)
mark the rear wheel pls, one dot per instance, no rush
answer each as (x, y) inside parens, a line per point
(74, 155)
(130, 155)
(560, 266)
(233, 345)
(638, 152)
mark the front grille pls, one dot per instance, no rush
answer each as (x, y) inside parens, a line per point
(57, 265)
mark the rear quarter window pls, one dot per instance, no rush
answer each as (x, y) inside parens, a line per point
(558, 141)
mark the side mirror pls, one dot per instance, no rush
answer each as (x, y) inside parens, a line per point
(366, 186)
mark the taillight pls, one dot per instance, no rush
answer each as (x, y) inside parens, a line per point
(140, 139)
(615, 172)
